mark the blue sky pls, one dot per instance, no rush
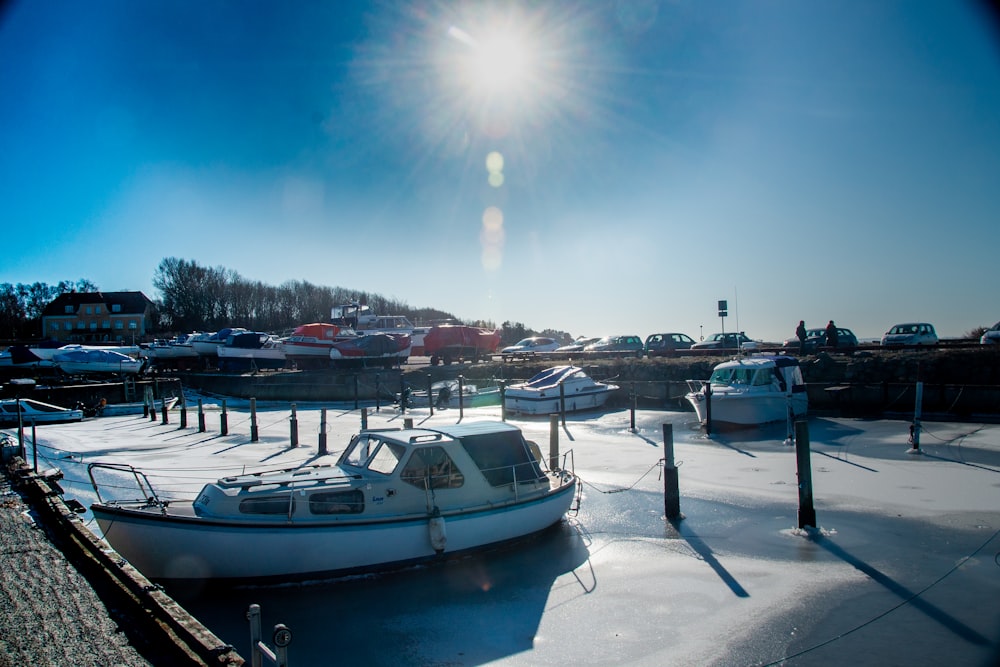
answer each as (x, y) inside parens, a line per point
(594, 167)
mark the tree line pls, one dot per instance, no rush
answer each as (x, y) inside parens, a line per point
(193, 297)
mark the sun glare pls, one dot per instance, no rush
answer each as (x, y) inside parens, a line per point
(496, 64)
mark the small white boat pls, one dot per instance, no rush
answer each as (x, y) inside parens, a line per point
(95, 360)
(36, 412)
(751, 390)
(177, 348)
(393, 498)
(208, 344)
(552, 389)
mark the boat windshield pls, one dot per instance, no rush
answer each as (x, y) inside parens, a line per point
(371, 452)
(740, 375)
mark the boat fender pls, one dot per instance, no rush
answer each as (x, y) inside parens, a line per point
(436, 529)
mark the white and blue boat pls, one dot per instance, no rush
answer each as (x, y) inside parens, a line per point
(557, 389)
(748, 391)
(394, 497)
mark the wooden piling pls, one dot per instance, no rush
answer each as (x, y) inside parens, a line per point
(554, 442)
(293, 427)
(807, 513)
(322, 432)
(254, 435)
(671, 487)
(224, 419)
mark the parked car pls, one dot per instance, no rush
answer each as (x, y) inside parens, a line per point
(617, 344)
(816, 338)
(529, 346)
(729, 341)
(667, 344)
(991, 336)
(578, 345)
(911, 333)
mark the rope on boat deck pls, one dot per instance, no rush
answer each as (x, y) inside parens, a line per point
(658, 464)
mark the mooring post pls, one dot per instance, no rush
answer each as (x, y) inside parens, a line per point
(632, 416)
(378, 393)
(402, 394)
(503, 407)
(145, 402)
(34, 447)
(355, 391)
(562, 401)
(293, 426)
(408, 423)
(163, 410)
(254, 436)
(917, 414)
(152, 405)
(224, 419)
(554, 442)
(461, 396)
(364, 419)
(430, 394)
(671, 490)
(708, 408)
(201, 416)
(807, 513)
(184, 411)
(322, 431)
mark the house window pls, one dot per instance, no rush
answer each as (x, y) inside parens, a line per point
(105, 324)
(116, 308)
(68, 309)
(93, 326)
(132, 325)
(80, 324)
(88, 310)
(119, 325)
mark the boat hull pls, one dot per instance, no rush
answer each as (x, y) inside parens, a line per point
(742, 410)
(533, 403)
(174, 547)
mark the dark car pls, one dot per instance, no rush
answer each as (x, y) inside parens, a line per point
(667, 344)
(616, 344)
(725, 341)
(816, 338)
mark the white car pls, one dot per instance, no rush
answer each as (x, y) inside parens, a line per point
(991, 336)
(911, 334)
(529, 346)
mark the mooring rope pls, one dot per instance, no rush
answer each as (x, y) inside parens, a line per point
(658, 464)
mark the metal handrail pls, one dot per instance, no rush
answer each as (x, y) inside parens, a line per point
(141, 481)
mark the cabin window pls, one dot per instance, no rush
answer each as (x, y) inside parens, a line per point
(432, 468)
(503, 457)
(373, 453)
(268, 505)
(337, 502)
(386, 458)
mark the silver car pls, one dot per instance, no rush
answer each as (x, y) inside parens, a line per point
(911, 333)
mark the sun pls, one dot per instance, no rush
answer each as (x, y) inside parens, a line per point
(498, 64)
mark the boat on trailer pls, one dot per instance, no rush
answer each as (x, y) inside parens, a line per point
(748, 391)
(394, 497)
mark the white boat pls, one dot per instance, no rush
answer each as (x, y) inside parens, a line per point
(178, 347)
(251, 351)
(37, 412)
(208, 344)
(393, 498)
(555, 389)
(310, 344)
(751, 390)
(96, 360)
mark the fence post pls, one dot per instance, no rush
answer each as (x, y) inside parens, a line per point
(554, 442)
(294, 427)
(224, 419)
(322, 431)
(671, 490)
(807, 513)
(254, 435)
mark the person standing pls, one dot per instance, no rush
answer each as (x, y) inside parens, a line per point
(831, 334)
(800, 331)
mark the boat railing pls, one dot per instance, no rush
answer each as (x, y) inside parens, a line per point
(696, 386)
(146, 491)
